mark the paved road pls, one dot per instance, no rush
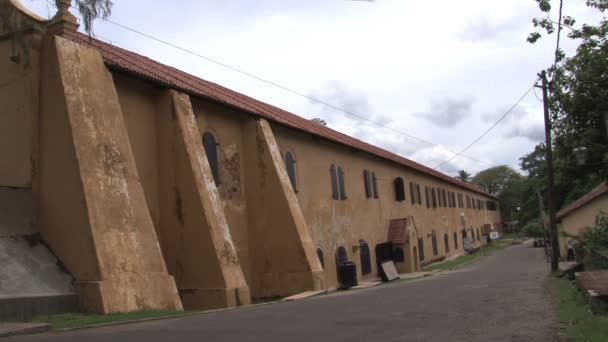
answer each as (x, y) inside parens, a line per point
(501, 298)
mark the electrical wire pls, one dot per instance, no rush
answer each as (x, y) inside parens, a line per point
(284, 88)
(489, 129)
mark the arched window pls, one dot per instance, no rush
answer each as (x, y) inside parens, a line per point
(290, 166)
(399, 190)
(366, 260)
(210, 145)
(334, 182)
(320, 256)
(341, 183)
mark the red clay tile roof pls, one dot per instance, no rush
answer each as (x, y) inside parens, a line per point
(142, 67)
(590, 196)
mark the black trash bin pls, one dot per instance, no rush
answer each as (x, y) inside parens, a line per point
(347, 274)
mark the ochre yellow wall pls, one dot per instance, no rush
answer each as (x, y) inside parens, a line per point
(582, 218)
(18, 113)
(191, 228)
(333, 223)
(336, 223)
(118, 266)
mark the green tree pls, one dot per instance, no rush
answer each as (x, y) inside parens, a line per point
(91, 10)
(319, 121)
(464, 176)
(579, 112)
(506, 184)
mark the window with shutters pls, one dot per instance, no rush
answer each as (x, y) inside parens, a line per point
(421, 249)
(439, 203)
(445, 199)
(375, 185)
(446, 242)
(210, 146)
(418, 193)
(413, 193)
(341, 183)
(427, 197)
(434, 195)
(367, 183)
(434, 244)
(453, 200)
(455, 240)
(290, 166)
(335, 194)
(399, 189)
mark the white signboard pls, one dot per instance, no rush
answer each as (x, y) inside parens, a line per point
(494, 235)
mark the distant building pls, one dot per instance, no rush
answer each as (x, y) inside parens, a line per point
(581, 214)
(160, 190)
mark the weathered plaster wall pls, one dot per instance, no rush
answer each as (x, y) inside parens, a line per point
(332, 223)
(18, 109)
(186, 209)
(584, 217)
(282, 255)
(227, 127)
(336, 223)
(196, 238)
(93, 210)
(138, 103)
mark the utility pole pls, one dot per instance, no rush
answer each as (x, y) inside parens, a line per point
(551, 185)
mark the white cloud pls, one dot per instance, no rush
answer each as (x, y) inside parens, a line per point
(449, 111)
(390, 58)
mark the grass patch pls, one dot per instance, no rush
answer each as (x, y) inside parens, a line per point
(80, 320)
(575, 313)
(468, 258)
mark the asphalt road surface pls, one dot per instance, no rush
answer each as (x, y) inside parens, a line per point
(500, 298)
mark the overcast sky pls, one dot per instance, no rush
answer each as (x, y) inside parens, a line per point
(443, 71)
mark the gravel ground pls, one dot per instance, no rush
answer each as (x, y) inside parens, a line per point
(500, 298)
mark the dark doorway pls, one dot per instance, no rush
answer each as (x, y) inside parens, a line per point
(398, 255)
(345, 270)
(366, 259)
(341, 256)
(384, 252)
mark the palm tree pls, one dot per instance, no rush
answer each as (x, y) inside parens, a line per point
(91, 10)
(464, 176)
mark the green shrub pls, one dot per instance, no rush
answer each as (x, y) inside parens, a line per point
(534, 229)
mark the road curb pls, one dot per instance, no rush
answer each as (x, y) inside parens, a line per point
(23, 329)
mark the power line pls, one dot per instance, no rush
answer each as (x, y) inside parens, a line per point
(358, 116)
(350, 113)
(489, 129)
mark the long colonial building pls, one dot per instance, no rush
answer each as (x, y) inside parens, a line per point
(160, 190)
